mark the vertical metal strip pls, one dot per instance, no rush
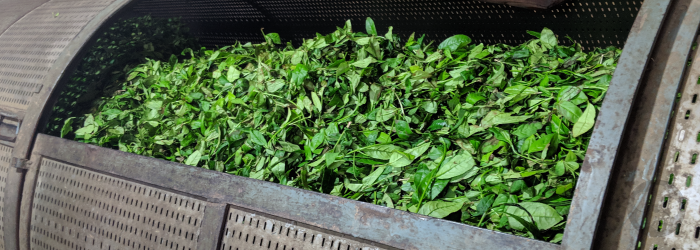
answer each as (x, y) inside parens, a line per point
(605, 141)
(628, 191)
(11, 209)
(212, 227)
(27, 201)
(673, 219)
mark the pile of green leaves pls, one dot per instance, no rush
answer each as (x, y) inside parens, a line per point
(488, 135)
(115, 51)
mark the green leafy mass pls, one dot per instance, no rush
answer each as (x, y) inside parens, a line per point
(102, 70)
(488, 135)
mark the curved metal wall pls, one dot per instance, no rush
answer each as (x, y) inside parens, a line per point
(38, 40)
(37, 49)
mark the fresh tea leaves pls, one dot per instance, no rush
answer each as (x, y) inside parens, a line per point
(488, 135)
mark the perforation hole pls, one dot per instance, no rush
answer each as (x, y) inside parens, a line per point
(670, 179)
(695, 98)
(675, 157)
(694, 158)
(665, 202)
(678, 228)
(697, 232)
(687, 114)
(688, 180)
(683, 202)
(661, 225)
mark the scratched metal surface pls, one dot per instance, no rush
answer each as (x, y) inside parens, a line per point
(673, 221)
(75, 208)
(254, 231)
(628, 191)
(358, 221)
(4, 172)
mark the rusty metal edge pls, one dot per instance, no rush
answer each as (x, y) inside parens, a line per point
(651, 116)
(610, 125)
(69, 56)
(391, 227)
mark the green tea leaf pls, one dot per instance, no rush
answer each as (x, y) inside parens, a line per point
(439, 209)
(369, 26)
(585, 122)
(548, 38)
(545, 216)
(194, 158)
(456, 166)
(569, 111)
(258, 138)
(455, 42)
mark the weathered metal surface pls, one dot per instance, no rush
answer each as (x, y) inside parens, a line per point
(605, 141)
(13, 10)
(250, 230)
(30, 46)
(26, 203)
(674, 211)
(210, 235)
(81, 209)
(4, 173)
(390, 227)
(628, 191)
(38, 48)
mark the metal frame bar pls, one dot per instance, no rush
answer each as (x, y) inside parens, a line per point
(390, 227)
(637, 165)
(614, 113)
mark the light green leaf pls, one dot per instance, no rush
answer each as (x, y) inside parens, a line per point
(544, 215)
(585, 122)
(258, 138)
(369, 26)
(317, 102)
(194, 158)
(496, 117)
(439, 209)
(364, 62)
(548, 38)
(67, 127)
(382, 152)
(456, 165)
(430, 107)
(154, 104)
(569, 111)
(289, 147)
(455, 42)
(232, 74)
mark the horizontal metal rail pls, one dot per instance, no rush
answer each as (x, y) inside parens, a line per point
(348, 218)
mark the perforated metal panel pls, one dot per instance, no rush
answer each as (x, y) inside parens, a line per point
(216, 22)
(250, 231)
(79, 209)
(13, 10)
(29, 47)
(674, 218)
(5, 156)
